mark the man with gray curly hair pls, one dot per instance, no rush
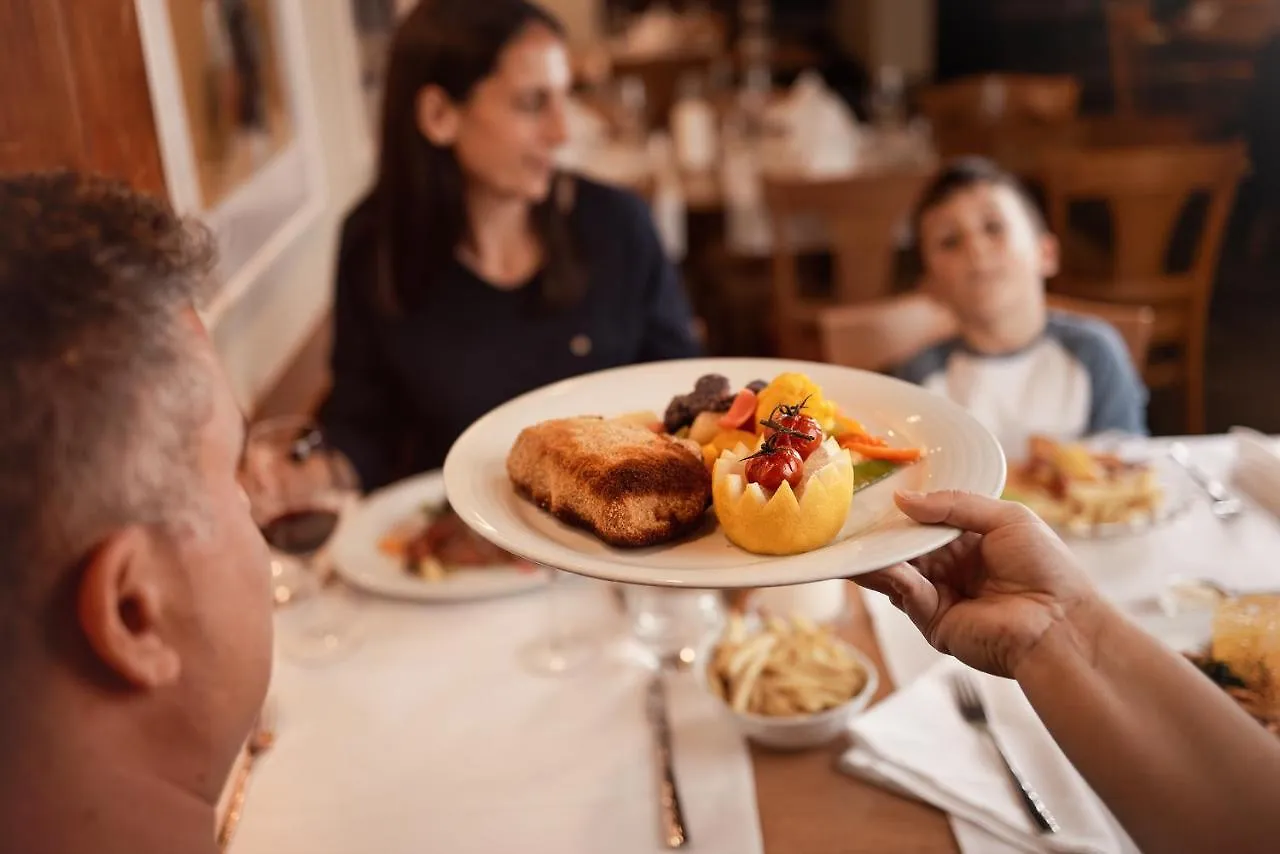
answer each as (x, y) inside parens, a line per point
(135, 615)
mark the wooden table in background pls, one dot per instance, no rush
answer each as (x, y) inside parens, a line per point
(807, 806)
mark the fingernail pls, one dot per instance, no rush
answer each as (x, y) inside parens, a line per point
(910, 495)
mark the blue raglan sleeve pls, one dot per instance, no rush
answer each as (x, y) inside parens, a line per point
(920, 367)
(1118, 397)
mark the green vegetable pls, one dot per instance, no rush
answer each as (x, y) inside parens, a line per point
(870, 472)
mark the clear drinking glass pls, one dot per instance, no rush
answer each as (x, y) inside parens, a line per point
(665, 621)
(298, 487)
(888, 98)
(561, 650)
(632, 111)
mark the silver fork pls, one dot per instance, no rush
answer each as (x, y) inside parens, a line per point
(1223, 504)
(975, 714)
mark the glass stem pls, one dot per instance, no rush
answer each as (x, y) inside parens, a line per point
(555, 628)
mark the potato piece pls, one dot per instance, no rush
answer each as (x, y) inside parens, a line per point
(705, 427)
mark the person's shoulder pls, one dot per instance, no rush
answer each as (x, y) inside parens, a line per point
(925, 364)
(1091, 340)
(599, 204)
(1119, 396)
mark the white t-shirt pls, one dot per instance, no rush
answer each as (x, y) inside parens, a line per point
(1075, 380)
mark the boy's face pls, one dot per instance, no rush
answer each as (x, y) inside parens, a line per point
(984, 255)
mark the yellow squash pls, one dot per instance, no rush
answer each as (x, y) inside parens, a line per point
(791, 389)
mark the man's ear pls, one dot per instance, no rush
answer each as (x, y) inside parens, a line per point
(437, 116)
(1050, 256)
(121, 605)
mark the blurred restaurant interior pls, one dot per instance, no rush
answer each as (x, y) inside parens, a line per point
(832, 86)
(780, 148)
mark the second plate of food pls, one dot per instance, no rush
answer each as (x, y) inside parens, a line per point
(717, 473)
(1090, 490)
(405, 541)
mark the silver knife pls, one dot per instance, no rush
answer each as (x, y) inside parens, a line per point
(670, 813)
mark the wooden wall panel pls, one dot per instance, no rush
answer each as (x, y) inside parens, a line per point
(73, 91)
(38, 112)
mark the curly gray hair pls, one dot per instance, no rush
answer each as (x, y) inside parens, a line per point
(100, 391)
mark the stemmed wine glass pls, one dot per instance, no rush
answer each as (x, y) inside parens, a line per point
(298, 487)
(562, 649)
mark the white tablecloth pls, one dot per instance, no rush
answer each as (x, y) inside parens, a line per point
(1242, 554)
(433, 737)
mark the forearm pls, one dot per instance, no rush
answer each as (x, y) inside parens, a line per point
(1178, 763)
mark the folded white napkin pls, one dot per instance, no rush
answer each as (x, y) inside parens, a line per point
(916, 743)
(821, 133)
(1257, 468)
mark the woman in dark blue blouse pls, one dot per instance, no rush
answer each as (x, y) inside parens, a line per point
(475, 271)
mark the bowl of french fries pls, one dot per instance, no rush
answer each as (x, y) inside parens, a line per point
(788, 684)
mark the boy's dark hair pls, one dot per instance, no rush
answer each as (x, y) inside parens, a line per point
(960, 175)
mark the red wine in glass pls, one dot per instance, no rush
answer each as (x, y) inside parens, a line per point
(300, 533)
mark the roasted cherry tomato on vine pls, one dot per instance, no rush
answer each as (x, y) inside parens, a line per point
(809, 437)
(790, 427)
(773, 465)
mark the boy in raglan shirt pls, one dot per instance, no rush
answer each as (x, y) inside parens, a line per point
(1021, 369)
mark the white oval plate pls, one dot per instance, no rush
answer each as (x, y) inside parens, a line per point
(357, 559)
(961, 455)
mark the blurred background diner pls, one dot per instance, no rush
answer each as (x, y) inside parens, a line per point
(426, 209)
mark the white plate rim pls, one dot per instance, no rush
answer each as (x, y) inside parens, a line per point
(349, 549)
(817, 565)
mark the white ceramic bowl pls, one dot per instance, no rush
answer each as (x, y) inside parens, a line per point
(799, 732)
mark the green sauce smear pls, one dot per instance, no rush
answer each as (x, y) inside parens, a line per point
(870, 472)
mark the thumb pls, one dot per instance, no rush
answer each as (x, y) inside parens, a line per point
(962, 510)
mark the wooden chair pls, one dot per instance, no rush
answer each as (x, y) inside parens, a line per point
(1024, 147)
(1146, 191)
(864, 215)
(1127, 21)
(1197, 66)
(1033, 98)
(876, 336)
(879, 335)
(1135, 323)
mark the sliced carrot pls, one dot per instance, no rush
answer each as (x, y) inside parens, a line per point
(392, 546)
(741, 411)
(880, 452)
(862, 439)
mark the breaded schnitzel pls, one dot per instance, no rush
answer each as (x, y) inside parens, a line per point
(626, 484)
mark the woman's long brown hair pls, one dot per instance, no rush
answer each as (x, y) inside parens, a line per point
(419, 193)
